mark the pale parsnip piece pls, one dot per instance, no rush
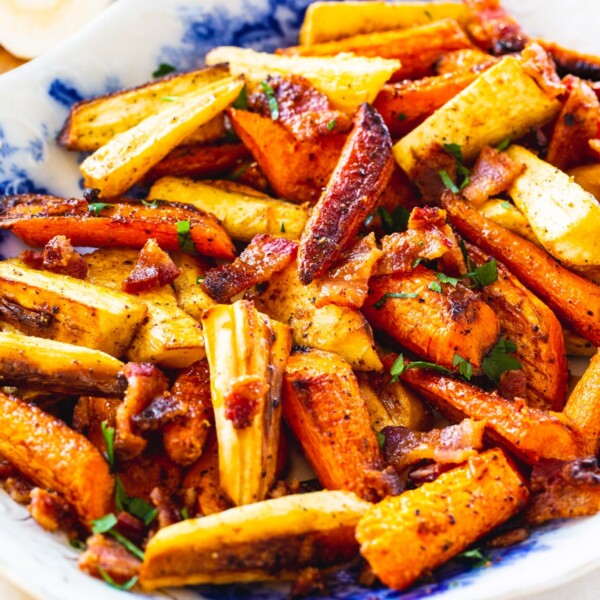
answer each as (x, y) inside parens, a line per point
(68, 310)
(169, 336)
(508, 215)
(243, 215)
(51, 366)
(128, 156)
(332, 328)
(246, 353)
(329, 21)
(93, 123)
(346, 80)
(483, 114)
(564, 217)
(191, 297)
(273, 539)
(588, 177)
(575, 345)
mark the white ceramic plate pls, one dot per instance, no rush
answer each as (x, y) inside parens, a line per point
(123, 48)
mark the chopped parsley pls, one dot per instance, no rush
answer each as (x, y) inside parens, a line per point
(380, 438)
(453, 281)
(435, 286)
(505, 205)
(163, 69)
(379, 304)
(109, 440)
(271, 99)
(461, 170)
(184, 237)
(331, 125)
(480, 276)
(96, 207)
(77, 544)
(124, 587)
(465, 368)
(447, 181)
(134, 506)
(169, 98)
(200, 279)
(394, 222)
(475, 557)
(498, 361)
(400, 367)
(241, 102)
(240, 171)
(106, 525)
(401, 117)
(282, 228)
(150, 203)
(185, 514)
(504, 144)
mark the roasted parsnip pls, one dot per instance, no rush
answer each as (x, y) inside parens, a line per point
(191, 298)
(51, 366)
(68, 310)
(508, 215)
(246, 353)
(274, 539)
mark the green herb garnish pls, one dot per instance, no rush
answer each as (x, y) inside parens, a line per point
(169, 98)
(503, 145)
(447, 181)
(435, 286)
(134, 506)
(96, 207)
(485, 274)
(241, 102)
(394, 222)
(475, 556)
(331, 125)
(240, 171)
(104, 524)
(498, 361)
(163, 69)
(271, 99)
(505, 205)
(109, 440)
(282, 228)
(124, 587)
(380, 438)
(400, 367)
(150, 203)
(77, 544)
(185, 514)
(379, 304)
(465, 368)
(200, 279)
(461, 170)
(453, 281)
(401, 117)
(184, 237)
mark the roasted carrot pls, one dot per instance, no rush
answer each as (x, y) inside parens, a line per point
(529, 433)
(323, 406)
(464, 60)
(361, 174)
(434, 325)
(408, 535)
(36, 219)
(575, 300)
(55, 457)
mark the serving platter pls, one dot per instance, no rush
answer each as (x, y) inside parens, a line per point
(123, 48)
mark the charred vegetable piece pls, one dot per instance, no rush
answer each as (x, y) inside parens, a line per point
(154, 269)
(274, 539)
(55, 457)
(362, 173)
(68, 310)
(42, 364)
(246, 353)
(36, 219)
(323, 406)
(575, 300)
(440, 519)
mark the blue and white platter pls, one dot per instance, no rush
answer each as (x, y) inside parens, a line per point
(123, 48)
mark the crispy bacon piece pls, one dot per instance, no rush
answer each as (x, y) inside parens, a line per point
(406, 104)
(347, 282)
(185, 438)
(168, 512)
(452, 444)
(572, 62)
(362, 173)
(427, 237)
(513, 385)
(417, 48)
(59, 257)
(18, 488)
(434, 325)
(154, 268)
(563, 490)
(464, 60)
(529, 433)
(304, 111)
(575, 300)
(202, 161)
(144, 383)
(426, 174)
(89, 413)
(50, 511)
(493, 29)
(577, 125)
(538, 64)
(162, 410)
(37, 218)
(492, 174)
(109, 555)
(263, 256)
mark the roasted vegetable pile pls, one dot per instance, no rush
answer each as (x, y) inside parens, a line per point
(379, 245)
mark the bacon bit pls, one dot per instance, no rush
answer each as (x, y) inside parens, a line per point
(453, 444)
(18, 488)
(427, 237)
(571, 62)
(162, 410)
(303, 110)
(154, 268)
(6, 470)
(106, 553)
(577, 125)
(168, 512)
(513, 384)
(242, 401)
(145, 382)
(564, 490)
(426, 174)
(264, 256)
(426, 474)
(539, 65)
(509, 538)
(185, 438)
(347, 282)
(493, 29)
(50, 511)
(131, 527)
(492, 174)
(59, 257)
